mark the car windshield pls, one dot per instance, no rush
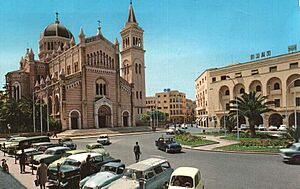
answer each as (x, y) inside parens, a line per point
(72, 162)
(170, 140)
(109, 168)
(293, 147)
(133, 174)
(103, 137)
(95, 146)
(50, 152)
(182, 181)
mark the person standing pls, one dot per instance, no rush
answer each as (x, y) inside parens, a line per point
(85, 167)
(137, 151)
(41, 174)
(22, 161)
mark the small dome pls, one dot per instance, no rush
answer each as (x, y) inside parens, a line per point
(57, 29)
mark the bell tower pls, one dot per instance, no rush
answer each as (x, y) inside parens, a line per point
(133, 64)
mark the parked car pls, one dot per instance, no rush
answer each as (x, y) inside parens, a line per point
(103, 139)
(291, 154)
(68, 142)
(261, 127)
(186, 177)
(183, 126)
(152, 173)
(168, 144)
(70, 167)
(282, 128)
(43, 146)
(7, 143)
(170, 132)
(64, 157)
(29, 153)
(96, 147)
(109, 172)
(272, 128)
(50, 155)
(244, 127)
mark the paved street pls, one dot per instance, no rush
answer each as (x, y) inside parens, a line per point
(220, 170)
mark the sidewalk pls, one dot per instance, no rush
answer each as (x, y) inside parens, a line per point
(211, 147)
(117, 131)
(26, 179)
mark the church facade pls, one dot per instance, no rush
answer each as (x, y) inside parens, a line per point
(92, 84)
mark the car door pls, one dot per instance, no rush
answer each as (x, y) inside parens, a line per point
(151, 182)
(97, 162)
(160, 176)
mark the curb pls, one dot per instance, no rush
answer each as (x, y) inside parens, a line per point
(110, 135)
(231, 152)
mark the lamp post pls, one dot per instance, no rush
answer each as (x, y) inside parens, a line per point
(237, 112)
(286, 110)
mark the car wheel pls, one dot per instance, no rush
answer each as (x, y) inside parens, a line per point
(296, 159)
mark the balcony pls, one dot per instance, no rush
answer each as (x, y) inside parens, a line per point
(295, 89)
(276, 92)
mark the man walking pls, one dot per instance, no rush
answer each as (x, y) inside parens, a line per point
(22, 161)
(41, 174)
(137, 152)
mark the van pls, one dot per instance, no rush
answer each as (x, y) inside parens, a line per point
(152, 173)
(186, 177)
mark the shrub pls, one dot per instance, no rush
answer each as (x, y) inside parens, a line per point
(264, 143)
(188, 137)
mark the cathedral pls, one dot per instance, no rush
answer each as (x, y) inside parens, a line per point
(94, 83)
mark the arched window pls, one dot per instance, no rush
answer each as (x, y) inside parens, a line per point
(276, 86)
(112, 63)
(98, 58)
(297, 83)
(127, 69)
(227, 92)
(50, 105)
(136, 68)
(258, 88)
(106, 60)
(16, 91)
(109, 60)
(101, 61)
(103, 57)
(140, 68)
(95, 59)
(88, 59)
(56, 104)
(242, 91)
(101, 87)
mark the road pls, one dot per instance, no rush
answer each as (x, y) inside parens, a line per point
(219, 170)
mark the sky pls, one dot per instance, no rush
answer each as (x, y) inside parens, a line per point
(182, 38)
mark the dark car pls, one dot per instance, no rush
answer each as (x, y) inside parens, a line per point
(168, 144)
(69, 168)
(68, 142)
(291, 154)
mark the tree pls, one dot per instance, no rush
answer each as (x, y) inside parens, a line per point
(230, 122)
(293, 133)
(251, 106)
(146, 117)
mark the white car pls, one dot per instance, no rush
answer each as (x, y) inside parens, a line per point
(282, 128)
(261, 127)
(272, 128)
(103, 139)
(244, 127)
(186, 177)
(183, 126)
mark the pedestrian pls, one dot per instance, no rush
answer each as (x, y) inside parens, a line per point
(85, 167)
(55, 134)
(22, 161)
(41, 174)
(137, 151)
(5, 166)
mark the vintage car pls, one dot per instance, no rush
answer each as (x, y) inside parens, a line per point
(109, 172)
(50, 155)
(97, 148)
(9, 141)
(43, 146)
(291, 154)
(68, 142)
(152, 173)
(103, 139)
(168, 144)
(67, 167)
(64, 157)
(186, 177)
(29, 152)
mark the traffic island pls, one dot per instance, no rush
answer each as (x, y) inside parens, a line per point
(190, 141)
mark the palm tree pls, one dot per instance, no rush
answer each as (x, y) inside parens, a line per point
(250, 105)
(230, 122)
(293, 133)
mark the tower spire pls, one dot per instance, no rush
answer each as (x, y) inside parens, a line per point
(56, 19)
(99, 28)
(131, 16)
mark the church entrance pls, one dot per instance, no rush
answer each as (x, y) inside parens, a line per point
(125, 119)
(104, 116)
(74, 120)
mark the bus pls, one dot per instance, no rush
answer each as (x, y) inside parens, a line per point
(26, 143)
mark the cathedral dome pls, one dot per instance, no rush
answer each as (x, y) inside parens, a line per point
(57, 29)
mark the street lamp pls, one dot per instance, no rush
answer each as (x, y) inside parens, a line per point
(286, 111)
(237, 112)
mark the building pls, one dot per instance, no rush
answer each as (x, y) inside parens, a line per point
(91, 84)
(278, 78)
(190, 110)
(171, 102)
